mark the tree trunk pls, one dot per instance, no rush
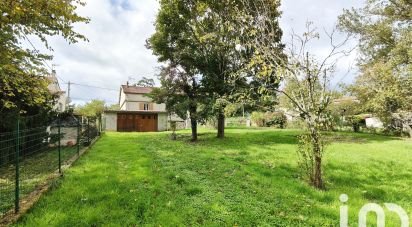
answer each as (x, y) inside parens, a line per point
(221, 125)
(317, 180)
(194, 129)
(193, 121)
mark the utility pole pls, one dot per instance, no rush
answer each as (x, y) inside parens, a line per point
(68, 90)
(68, 95)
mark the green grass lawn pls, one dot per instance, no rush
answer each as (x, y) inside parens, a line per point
(35, 169)
(250, 178)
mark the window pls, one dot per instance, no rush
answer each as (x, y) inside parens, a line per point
(146, 106)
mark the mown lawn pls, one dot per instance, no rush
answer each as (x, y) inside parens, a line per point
(250, 178)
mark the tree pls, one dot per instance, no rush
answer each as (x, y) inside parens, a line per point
(23, 89)
(307, 78)
(385, 80)
(145, 82)
(114, 107)
(180, 92)
(94, 108)
(203, 37)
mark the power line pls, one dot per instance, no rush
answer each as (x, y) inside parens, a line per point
(84, 99)
(92, 86)
(46, 64)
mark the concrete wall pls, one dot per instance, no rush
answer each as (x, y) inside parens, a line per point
(110, 121)
(162, 122)
(373, 122)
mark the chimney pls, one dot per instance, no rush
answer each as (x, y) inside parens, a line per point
(127, 83)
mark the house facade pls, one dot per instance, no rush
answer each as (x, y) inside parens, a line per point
(138, 113)
(54, 88)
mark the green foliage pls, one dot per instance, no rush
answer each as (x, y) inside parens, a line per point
(269, 119)
(344, 108)
(258, 118)
(23, 89)
(384, 32)
(356, 121)
(94, 108)
(114, 107)
(276, 119)
(202, 38)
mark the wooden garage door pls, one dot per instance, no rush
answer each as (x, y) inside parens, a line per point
(137, 122)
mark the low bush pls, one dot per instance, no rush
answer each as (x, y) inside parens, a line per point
(269, 119)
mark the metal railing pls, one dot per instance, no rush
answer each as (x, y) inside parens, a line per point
(30, 155)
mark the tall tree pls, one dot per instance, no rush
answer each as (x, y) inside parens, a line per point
(22, 87)
(385, 81)
(203, 36)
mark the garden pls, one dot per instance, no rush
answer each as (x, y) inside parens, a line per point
(249, 178)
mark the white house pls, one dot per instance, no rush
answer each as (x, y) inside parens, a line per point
(55, 89)
(138, 113)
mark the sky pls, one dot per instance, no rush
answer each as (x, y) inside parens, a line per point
(118, 30)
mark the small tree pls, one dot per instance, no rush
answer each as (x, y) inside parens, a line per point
(307, 79)
(181, 93)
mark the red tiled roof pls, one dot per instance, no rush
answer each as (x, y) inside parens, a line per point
(136, 90)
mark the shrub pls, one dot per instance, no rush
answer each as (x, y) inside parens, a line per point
(276, 119)
(269, 119)
(258, 118)
(356, 122)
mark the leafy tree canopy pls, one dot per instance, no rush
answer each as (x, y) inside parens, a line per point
(94, 108)
(22, 87)
(385, 39)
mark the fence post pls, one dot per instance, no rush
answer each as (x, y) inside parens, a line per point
(17, 189)
(78, 137)
(59, 143)
(88, 131)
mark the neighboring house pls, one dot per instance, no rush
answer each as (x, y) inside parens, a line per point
(138, 113)
(55, 89)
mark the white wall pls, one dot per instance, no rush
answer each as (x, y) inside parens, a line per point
(122, 103)
(110, 121)
(373, 122)
(133, 103)
(162, 122)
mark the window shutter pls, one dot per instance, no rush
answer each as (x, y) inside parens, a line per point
(141, 106)
(151, 106)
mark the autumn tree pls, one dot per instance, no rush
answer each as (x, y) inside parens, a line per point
(23, 87)
(384, 31)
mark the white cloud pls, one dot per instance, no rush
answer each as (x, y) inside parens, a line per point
(116, 49)
(324, 15)
(118, 31)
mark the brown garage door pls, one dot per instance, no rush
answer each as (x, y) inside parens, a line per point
(136, 122)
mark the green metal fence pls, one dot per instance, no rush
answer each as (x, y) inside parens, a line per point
(29, 154)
